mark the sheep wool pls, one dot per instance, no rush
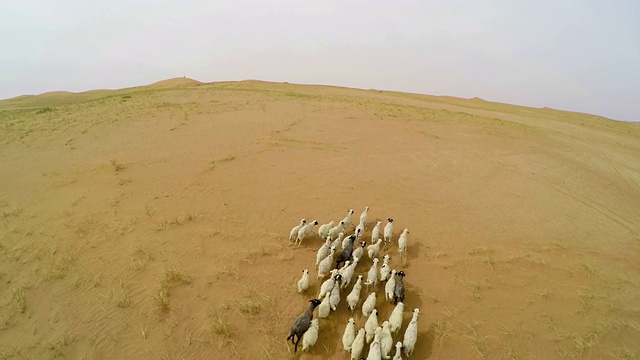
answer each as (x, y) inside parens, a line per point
(354, 295)
(324, 250)
(388, 230)
(374, 348)
(395, 319)
(398, 355)
(324, 308)
(347, 219)
(349, 334)
(375, 233)
(311, 335)
(386, 340)
(390, 286)
(371, 325)
(303, 283)
(334, 299)
(385, 269)
(294, 231)
(411, 334)
(323, 230)
(358, 345)
(369, 304)
(363, 216)
(325, 264)
(372, 275)
(372, 250)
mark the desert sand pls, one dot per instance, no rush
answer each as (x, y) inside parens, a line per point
(152, 222)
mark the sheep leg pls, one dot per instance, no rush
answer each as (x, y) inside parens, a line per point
(295, 349)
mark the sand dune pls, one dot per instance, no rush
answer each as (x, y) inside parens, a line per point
(152, 222)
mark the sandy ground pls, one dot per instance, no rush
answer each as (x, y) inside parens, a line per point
(152, 222)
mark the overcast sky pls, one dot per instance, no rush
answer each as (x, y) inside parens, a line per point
(571, 55)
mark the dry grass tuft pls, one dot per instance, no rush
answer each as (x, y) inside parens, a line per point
(18, 296)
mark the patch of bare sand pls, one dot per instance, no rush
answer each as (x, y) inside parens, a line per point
(152, 222)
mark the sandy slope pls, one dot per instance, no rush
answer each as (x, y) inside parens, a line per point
(116, 204)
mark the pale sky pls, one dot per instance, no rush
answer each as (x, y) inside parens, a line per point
(570, 55)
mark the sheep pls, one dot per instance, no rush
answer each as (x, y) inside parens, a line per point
(323, 230)
(375, 233)
(372, 275)
(398, 355)
(369, 304)
(294, 231)
(372, 250)
(303, 283)
(345, 254)
(311, 335)
(354, 295)
(411, 334)
(325, 307)
(325, 264)
(344, 267)
(385, 269)
(390, 286)
(349, 334)
(388, 231)
(395, 319)
(386, 341)
(302, 323)
(357, 345)
(334, 299)
(402, 245)
(346, 240)
(374, 349)
(363, 216)
(304, 231)
(371, 325)
(347, 219)
(338, 240)
(323, 251)
(357, 252)
(327, 285)
(334, 231)
(398, 292)
(347, 274)
(359, 230)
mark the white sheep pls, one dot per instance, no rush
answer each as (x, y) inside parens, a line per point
(358, 251)
(372, 275)
(311, 335)
(398, 355)
(305, 231)
(349, 334)
(390, 286)
(386, 340)
(395, 319)
(345, 241)
(363, 216)
(388, 231)
(348, 272)
(323, 251)
(375, 233)
(371, 325)
(347, 219)
(294, 232)
(359, 230)
(374, 349)
(385, 269)
(372, 250)
(325, 264)
(334, 299)
(324, 308)
(334, 231)
(369, 304)
(354, 295)
(327, 285)
(303, 283)
(323, 230)
(402, 245)
(411, 334)
(357, 345)
(338, 240)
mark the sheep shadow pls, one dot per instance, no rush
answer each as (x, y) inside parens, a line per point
(424, 344)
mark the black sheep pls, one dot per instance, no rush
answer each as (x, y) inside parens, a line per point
(345, 254)
(398, 291)
(302, 323)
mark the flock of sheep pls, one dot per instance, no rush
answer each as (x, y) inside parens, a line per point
(352, 252)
